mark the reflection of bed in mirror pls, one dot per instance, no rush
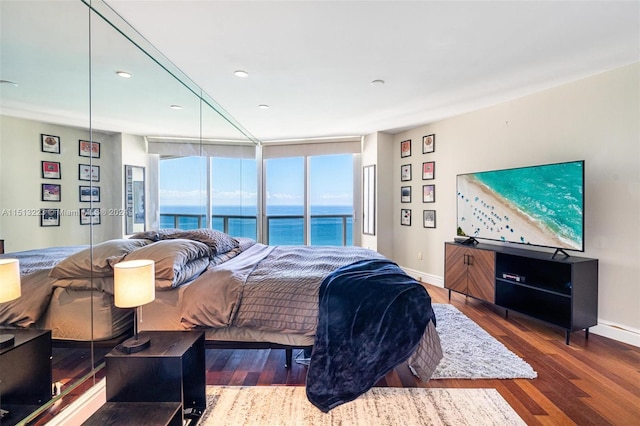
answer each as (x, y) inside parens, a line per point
(64, 305)
(243, 294)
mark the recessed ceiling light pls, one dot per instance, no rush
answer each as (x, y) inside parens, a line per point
(8, 82)
(377, 82)
(263, 106)
(242, 74)
(123, 74)
(175, 107)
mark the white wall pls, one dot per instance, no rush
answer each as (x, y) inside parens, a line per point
(20, 184)
(20, 190)
(596, 119)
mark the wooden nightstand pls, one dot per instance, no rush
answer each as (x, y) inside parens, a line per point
(171, 370)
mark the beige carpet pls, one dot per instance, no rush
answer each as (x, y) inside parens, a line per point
(288, 405)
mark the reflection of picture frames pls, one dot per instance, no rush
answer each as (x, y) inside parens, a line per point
(50, 170)
(405, 194)
(50, 143)
(428, 193)
(429, 218)
(50, 217)
(88, 172)
(405, 148)
(429, 170)
(89, 149)
(428, 144)
(89, 193)
(90, 216)
(405, 217)
(50, 192)
(405, 172)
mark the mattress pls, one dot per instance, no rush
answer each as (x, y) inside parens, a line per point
(84, 315)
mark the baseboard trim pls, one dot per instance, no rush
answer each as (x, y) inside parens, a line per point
(82, 408)
(617, 332)
(424, 277)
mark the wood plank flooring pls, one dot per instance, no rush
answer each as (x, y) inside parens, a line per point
(593, 381)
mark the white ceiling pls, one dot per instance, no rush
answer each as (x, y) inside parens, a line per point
(313, 61)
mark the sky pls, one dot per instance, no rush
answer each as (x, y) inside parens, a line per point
(183, 181)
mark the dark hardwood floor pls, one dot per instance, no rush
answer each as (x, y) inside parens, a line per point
(594, 381)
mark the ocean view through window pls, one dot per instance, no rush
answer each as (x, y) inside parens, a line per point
(234, 199)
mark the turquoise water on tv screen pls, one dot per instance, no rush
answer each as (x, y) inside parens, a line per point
(551, 194)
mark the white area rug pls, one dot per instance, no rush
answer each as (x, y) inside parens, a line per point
(472, 353)
(288, 405)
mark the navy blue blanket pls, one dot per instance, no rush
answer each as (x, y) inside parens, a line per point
(372, 316)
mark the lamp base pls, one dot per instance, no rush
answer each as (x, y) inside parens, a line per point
(133, 345)
(6, 340)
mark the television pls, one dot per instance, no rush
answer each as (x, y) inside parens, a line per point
(541, 205)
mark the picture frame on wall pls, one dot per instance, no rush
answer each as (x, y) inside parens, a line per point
(89, 172)
(51, 170)
(89, 193)
(90, 216)
(428, 143)
(88, 149)
(405, 217)
(428, 170)
(428, 193)
(405, 148)
(405, 172)
(405, 194)
(50, 192)
(429, 218)
(50, 217)
(50, 143)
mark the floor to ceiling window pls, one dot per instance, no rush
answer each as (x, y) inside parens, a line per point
(307, 199)
(234, 196)
(183, 194)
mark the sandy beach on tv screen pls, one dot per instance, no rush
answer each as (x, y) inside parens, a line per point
(497, 220)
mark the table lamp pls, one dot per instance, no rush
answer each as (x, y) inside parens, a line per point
(134, 286)
(9, 290)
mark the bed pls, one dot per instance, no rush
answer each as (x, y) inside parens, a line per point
(361, 314)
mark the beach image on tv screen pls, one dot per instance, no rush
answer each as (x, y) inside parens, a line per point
(538, 205)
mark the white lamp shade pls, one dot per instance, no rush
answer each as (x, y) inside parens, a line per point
(134, 283)
(9, 279)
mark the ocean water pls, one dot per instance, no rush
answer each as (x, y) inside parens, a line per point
(283, 230)
(552, 195)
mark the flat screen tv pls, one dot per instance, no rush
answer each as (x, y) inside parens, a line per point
(539, 205)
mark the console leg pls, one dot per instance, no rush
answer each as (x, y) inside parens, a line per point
(586, 333)
(449, 295)
(566, 336)
(288, 357)
(506, 314)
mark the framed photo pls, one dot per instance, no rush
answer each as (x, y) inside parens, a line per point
(428, 193)
(89, 149)
(405, 148)
(429, 218)
(50, 143)
(50, 192)
(428, 143)
(429, 170)
(405, 194)
(50, 217)
(89, 193)
(90, 216)
(50, 170)
(405, 172)
(88, 172)
(405, 217)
